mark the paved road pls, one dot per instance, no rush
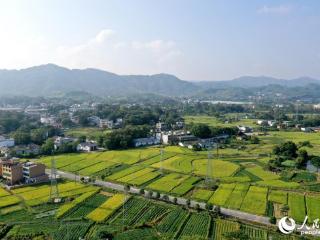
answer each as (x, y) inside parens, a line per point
(181, 201)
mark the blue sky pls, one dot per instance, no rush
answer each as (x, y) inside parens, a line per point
(195, 40)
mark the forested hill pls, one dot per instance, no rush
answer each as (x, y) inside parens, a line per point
(53, 80)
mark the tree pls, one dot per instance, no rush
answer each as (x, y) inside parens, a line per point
(157, 195)
(201, 130)
(22, 137)
(209, 206)
(48, 147)
(287, 150)
(302, 158)
(141, 191)
(82, 139)
(273, 220)
(316, 161)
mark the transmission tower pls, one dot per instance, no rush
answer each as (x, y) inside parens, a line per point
(124, 208)
(209, 168)
(161, 160)
(54, 191)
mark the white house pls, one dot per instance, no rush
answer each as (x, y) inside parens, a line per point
(63, 140)
(87, 147)
(6, 142)
(245, 129)
(139, 142)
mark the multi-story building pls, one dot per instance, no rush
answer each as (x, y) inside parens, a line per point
(34, 172)
(12, 172)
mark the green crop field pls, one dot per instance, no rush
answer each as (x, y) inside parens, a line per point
(71, 205)
(213, 121)
(168, 182)
(255, 233)
(171, 223)
(185, 186)
(202, 194)
(87, 206)
(278, 196)
(255, 200)
(224, 226)
(313, 207)
(106, 209)
(261, 173)
(222, 194)
(297, 208)
(197, 227)
(236, 197)
(219, 168)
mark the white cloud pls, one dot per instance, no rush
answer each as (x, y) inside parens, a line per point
(104, 35)
(281, 9)
(105, 50)
(130, 57)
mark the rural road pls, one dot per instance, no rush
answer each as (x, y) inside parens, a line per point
(181, 201)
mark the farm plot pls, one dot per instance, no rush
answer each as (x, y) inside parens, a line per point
(139, 211)
(185, 186)
(278, 184)
(71, 205)
(139, 177)
(139, 233)
(3, 192)
(8, 201)
(220, 168)
(168, 182)
(179, 163)
(23, 231)
(197, 227)
(72, 231)
(224, 226)
(296, 206)
(125, 172)
(157, 158)
(171, 223)
(313, 207)
(95, 168)
(261, 173)
(107, 208)
(64, 159)
(255, 233)
(77, 166)
(236, 197)
(87, 206)
(255, 200)
(222, 194)
(202, 194)
(38, 196)
(278, 196)
(133, 208)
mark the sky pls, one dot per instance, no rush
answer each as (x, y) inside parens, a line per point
(192, 39)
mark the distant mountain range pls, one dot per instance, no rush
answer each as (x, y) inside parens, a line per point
(51, 80)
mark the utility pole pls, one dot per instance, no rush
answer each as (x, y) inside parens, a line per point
(54, 191)
(161, 160)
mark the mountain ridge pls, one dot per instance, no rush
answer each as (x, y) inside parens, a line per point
(49, 79)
